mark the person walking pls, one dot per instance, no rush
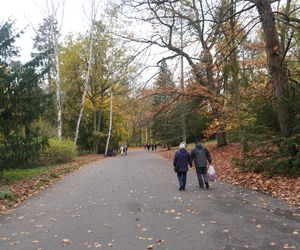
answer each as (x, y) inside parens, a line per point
(181, 161)
(200, 155)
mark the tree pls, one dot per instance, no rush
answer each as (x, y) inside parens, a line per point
(200, 24)
(89, 68)
(22, 103)
(165, 124)
(276, 64)
(48, 52)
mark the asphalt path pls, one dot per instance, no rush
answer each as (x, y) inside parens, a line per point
(133, 203)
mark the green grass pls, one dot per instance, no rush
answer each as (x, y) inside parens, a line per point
(8, 195)
(45, 174)
(16, 174)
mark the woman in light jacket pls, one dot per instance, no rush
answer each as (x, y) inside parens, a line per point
(181, 162)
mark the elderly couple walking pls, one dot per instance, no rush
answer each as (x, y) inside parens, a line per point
(182, 159)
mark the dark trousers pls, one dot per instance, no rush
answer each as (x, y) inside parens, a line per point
(181, 179)
(202, 176)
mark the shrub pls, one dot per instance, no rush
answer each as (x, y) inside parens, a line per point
(271, 154)
(20, 151)
(59, 151)
(8, 195)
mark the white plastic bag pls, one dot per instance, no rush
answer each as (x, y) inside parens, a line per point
(212, 175)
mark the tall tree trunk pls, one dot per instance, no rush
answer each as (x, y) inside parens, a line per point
(183, 110)
(110, 121)
(58, 94)
(57, 78)
(86, 84)
(276, 65)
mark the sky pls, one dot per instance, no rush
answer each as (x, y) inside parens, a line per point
(28, 14)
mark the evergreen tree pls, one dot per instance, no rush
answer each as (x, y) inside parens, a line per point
(166, 124)
(22, 102)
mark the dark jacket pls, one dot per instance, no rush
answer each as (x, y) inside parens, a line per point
(200, 155)
(181, 160)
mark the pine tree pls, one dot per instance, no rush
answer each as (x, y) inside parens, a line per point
(22, 102)
(166, 124)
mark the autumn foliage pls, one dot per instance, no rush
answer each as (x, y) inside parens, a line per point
(284, 188)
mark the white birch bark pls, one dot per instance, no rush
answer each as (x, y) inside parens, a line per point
(58, 87)
(90, 63)
(54, 10)
(110, 121)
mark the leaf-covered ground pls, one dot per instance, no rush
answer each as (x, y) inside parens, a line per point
(284, 188)
(13, 192)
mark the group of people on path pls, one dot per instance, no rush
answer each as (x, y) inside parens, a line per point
(152, 146)
(200, 156)
(123, 150)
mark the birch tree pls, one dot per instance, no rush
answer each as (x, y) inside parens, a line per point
(110, 121)
(47, 41)
(90, 63)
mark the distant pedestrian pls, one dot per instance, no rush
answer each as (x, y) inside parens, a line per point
(181, 162)
(201, 156)
(125, 149)
(155, 146)
(122, 150)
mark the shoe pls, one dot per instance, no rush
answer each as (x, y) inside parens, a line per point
(180, 189)
(207, 185)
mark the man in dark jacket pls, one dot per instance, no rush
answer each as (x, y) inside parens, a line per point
(181, 162)
(201, 156)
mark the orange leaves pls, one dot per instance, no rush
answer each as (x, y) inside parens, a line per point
(281, 187)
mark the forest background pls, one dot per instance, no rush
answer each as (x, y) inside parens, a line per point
(155, 72)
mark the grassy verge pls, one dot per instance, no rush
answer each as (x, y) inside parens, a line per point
(17, 185)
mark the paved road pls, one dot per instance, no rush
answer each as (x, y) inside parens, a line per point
(133, 202)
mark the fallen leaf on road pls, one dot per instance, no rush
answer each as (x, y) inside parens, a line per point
(259, 226)
(97, 245)
(295, 232)
(150, 246)
(66, 242)
(287, 246)
(110, 244)
(35, 241)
